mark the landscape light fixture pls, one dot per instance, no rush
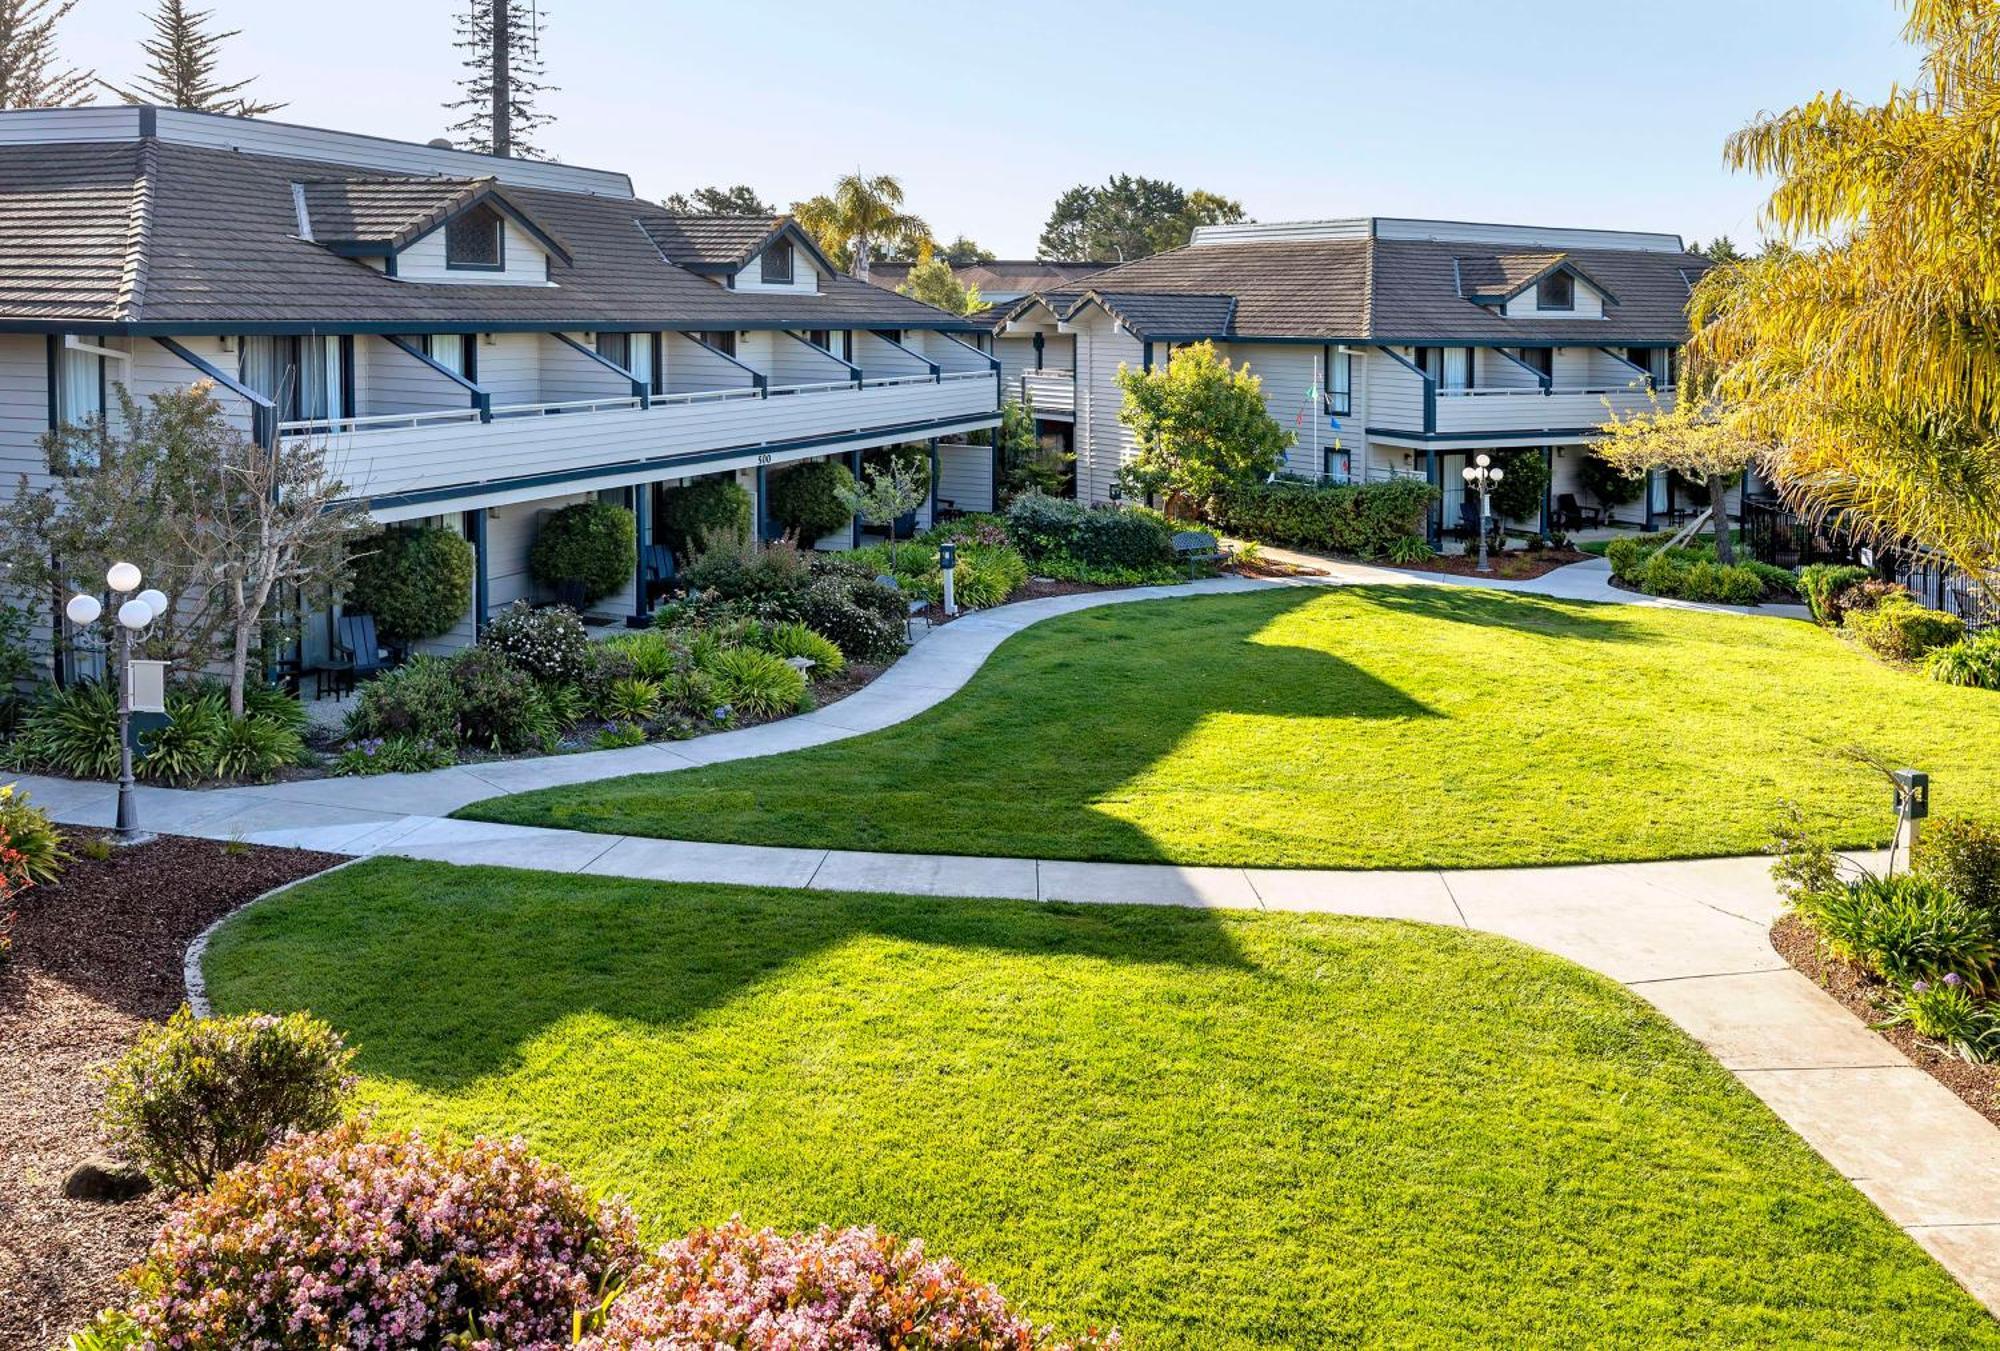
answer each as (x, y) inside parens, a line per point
(1484, 475)
(135, 614)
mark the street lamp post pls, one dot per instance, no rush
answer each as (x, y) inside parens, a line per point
(134, 616)
(1484, 475)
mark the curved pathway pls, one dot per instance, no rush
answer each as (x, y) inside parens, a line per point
(1688, 936)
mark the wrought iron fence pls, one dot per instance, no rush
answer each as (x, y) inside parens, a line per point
(1774, 533)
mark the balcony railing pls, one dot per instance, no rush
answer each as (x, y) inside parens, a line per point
(1531, 410)
(405, 453)
(1049, 392)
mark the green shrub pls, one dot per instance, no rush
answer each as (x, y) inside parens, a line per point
(1819, 583)
(1973, 662)
(395, 755)
(1905, 929)
(1963, 857)
(866, 620)
(796, 640)
(550, 644)
(1520, 494)
(636, 700)
(593, 545)
(1948, 1011)
(620, 735)
(1128, 537)
(804, 498)
(754, 683)
(415, 580)
(500, 708)
(1361, 520)
(72, 730)
(194, 1097)
(1902, 630)
(1406, 550)
(254, 748)
(418, 700)
(986, 574)
(647, 653)
(75, 731)
(1063, 568)
(702, 514)
(28, 832)
(1692, 573)
(1779, 583)
(767, 578)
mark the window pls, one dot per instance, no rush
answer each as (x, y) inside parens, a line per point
(1337, 465)
(475, 240)
(724, 343)
(1557, 291)
(616, 347)
(1457, 369)
(821, 338)
(776, 265)
(79, 385)
(1340, 384)
(453, 351)
(1542, 359)
(642, 359)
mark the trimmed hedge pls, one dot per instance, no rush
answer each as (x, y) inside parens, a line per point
(1359, 519)
(416, 581)
(592, 544)
(805, 498)
(1902, 630)
(1820, 583)
(708, 511)
(1110, 537)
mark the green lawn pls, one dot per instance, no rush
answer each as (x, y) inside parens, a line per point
(1216, 1130)
(1388, 727)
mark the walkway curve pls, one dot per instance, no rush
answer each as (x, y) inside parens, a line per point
(1691, 937)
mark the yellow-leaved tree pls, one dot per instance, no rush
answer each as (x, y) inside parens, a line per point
(1862, 352)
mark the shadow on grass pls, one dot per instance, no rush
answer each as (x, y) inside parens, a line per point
(1547, 616)
(1064, 717)
(441, 974)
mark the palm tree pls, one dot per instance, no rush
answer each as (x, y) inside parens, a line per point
(1864, 348)
(858, 215)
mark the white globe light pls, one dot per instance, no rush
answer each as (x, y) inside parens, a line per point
(83, 610)
(1495, 475)
(156, 600)
(135, 614)
(1470, 473)
(122, 577)
(1483, 461)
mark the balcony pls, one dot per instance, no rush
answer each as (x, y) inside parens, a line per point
(1515, 412)
(441, 451)
(1508, 404)
(1050, 393)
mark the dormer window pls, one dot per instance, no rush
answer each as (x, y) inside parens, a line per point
(777, 263)
(474, 241)
(1557, 291)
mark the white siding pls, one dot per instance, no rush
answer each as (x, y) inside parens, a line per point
(805, 277)
(510, 367)
(1589, 305)
(568, 374)
(527, 264)
(692, 367)
(1103, 443)
(965, 476)
(24, 409)
(389, 380)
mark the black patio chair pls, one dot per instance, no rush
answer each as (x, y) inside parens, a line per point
(1570, 515)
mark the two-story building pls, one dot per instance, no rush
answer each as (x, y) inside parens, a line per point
(476, 340)
(1387, 346)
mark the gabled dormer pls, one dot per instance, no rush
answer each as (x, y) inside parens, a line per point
(1532, 286)
(743, 253)
(449, 230)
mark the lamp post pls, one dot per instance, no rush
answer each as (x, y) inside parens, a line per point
(135, 614)
(1484, 475)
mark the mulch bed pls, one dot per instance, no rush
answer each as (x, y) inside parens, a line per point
(1868, 999)
(96, 955)
(1512, 567)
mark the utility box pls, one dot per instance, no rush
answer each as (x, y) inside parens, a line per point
(147, 683)
(1913, 794)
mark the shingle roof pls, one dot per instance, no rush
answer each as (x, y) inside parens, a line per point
(368, 210)
(1168, 315)
(702, 242)
(217, 245)
(1388, 290)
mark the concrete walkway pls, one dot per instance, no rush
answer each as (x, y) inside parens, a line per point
(1690, 937)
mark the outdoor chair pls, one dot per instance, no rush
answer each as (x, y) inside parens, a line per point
(358, 654)
(913, 609)
(1570, 515)
(656, 569)
(1196, 548)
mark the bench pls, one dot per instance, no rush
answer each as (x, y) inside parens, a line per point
(1196, 548)
(914, 609)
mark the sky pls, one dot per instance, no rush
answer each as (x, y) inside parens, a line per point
(1549, 112)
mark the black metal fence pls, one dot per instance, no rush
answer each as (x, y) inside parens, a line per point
(1774, 533)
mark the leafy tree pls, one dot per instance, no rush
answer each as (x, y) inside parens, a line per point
(1519, 496)
(504, 39)
(32, 74)
(862, 216)
(887, 492)
(740, 200)
(1864, 347)
(1129, 217)
(1026, 465)
(933, 282)
(181, 57)
(963, 252)
(1694, 439)
(1200, 424)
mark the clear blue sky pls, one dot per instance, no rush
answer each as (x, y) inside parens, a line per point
(1573, 112)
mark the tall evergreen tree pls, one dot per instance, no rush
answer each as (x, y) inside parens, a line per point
(740, 200)
(32, 74)
(504, 42)
(180, 66)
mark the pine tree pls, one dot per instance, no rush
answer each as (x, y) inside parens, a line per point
(504, 38)
(181, 59)
(31, 71)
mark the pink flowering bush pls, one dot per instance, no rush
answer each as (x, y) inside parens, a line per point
(382, 1244)
(846, 1289)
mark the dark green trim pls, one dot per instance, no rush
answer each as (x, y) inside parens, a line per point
(1430, 389)
(481, 400)
(676, 465)
(641, 390)
(853, 371)
(482, 586)
(263, 412)
(1565, 434)
(1547, 382)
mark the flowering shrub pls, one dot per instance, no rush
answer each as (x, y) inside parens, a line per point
(551, 645)
(339, 1240)
(1947, 1011)
(760, 1290)
(30, 847)
(393, 755)
(197, 1096)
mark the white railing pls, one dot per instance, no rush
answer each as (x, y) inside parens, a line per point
(688, 396)
(1049, 391)
(881, 381)
(376, 422)
(566, 406)
(986, 374)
